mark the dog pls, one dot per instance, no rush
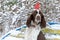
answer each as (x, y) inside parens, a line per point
(35, 22)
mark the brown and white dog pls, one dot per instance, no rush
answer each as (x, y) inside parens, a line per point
(35, 23)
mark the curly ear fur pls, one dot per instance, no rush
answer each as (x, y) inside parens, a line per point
(28, 23)
(43, 22)
(29, 19)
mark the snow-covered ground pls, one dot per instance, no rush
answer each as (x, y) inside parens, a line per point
(22, 33)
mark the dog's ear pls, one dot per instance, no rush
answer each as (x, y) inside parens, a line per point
(29, 19)
(43, 22)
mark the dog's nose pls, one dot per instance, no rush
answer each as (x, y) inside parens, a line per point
(38, 17)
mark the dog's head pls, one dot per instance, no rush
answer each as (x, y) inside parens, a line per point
(37, 17)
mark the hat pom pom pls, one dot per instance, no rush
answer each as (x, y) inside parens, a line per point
(37, 6)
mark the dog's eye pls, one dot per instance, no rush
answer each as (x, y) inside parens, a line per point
(36, 12)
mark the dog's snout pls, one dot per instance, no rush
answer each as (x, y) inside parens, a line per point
(38, 17)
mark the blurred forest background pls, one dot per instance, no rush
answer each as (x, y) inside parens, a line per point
(14, 13)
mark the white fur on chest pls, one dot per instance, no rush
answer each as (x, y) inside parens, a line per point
(32, 33)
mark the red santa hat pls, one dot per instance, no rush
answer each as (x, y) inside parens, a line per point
(37, 6)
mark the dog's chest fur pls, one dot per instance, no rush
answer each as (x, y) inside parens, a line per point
(33, 32)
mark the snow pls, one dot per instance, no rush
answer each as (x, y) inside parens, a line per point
(33, 33)
(55, 26)
(50, 36)
(12, 38)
